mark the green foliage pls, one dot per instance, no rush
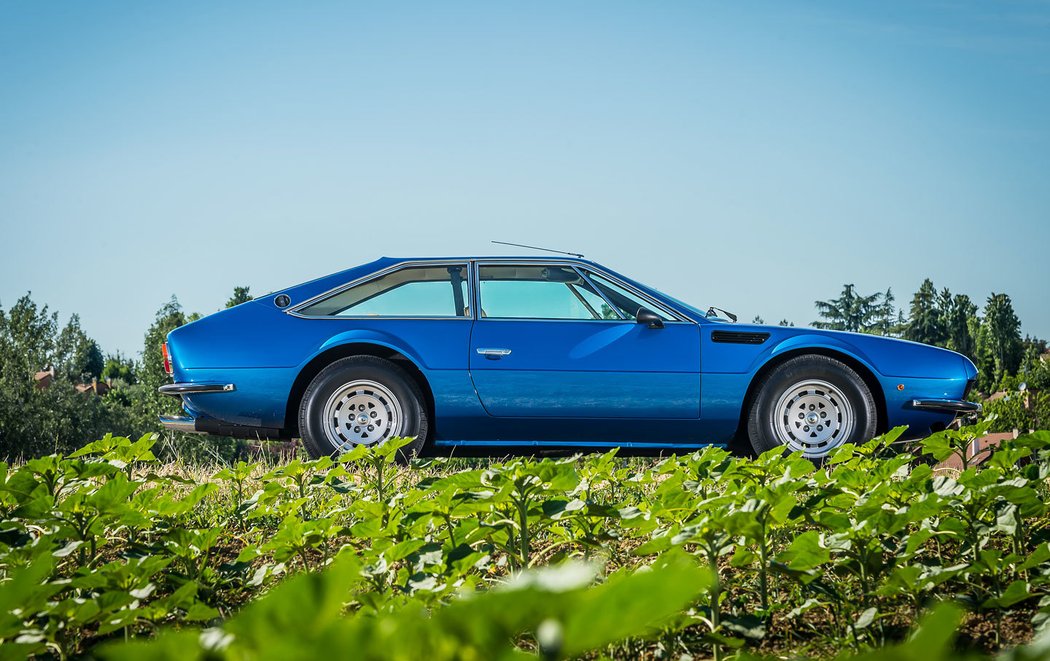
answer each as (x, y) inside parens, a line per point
(1001, 337)
(119, 369)
(240, 295)
(855, 312)
(35, 420)
(926, 321)
(109, 553)
(956, 313)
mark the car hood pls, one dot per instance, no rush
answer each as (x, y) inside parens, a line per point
(890, 357)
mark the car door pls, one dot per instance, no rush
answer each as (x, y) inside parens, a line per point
(550, 343)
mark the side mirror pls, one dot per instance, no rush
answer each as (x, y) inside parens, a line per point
(649, 318)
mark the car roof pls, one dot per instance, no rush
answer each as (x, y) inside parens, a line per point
(493, 258)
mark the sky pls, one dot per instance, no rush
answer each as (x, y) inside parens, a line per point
(755, 156)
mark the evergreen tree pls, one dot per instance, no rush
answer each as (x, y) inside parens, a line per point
(983, 357)
(851, 311)
(76, 354)
(925, 324)
(785, 322)
(885, 322)
(1003, 335)
(758, 320)
(960, 315)
(899, 325)
(240, 295)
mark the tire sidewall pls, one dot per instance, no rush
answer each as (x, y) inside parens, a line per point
(776, 383)
(355, 368)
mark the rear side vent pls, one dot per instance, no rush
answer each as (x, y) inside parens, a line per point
(738, 337)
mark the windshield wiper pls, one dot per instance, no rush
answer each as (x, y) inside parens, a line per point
(713, 311)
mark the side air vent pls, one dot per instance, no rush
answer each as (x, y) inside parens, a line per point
(738, 337)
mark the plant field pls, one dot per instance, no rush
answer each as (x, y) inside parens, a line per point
(110, 554)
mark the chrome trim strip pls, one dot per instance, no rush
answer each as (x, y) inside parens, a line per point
(946, 405)
(653, 305)
(179, 389)
(294, 310)
(678, 317)
(615, 308)
(184, 424)
(472, 263)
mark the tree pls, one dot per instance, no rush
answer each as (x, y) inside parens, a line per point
(785, 322)
(35, 420)
(1002, 335)
(886, 318)
(76, 354)
(119, 369)
(758, 320)
(851, 311)
(31, 330)
(959, 315)
(925, 324)
(151, 374)
(240, 295)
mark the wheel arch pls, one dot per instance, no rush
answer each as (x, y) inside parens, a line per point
(866, 373)
(347, 350)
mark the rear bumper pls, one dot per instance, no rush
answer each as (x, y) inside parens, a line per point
(184, 424)
(947, 406)
(180, 389)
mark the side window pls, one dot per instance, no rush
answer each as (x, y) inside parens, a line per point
(420, 291)
(626, 302)
(538, 292)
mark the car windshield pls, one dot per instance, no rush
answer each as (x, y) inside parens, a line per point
(680, 304)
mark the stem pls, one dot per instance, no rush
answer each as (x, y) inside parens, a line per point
(523, 517)
(451, 532)
(763, 579)
(716, 594)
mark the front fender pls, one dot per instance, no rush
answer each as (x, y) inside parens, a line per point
(814, 341)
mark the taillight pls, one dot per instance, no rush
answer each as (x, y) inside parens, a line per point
(167, 358)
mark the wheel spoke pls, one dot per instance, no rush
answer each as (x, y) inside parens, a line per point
(362, 413)
(815, 417)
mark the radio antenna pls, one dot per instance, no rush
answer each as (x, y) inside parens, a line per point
(522, 245)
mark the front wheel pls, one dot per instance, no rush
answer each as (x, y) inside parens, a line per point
(811, 404)
(361, 400)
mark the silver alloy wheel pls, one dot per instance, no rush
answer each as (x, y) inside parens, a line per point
(813, 417)
(361, 413)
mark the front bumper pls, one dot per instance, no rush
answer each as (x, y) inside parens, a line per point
(959, 406)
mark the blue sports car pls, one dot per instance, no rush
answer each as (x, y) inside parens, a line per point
(551, 352)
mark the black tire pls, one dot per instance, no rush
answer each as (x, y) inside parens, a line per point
(333, 378)
(780, 388)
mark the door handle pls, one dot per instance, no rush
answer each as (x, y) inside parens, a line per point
(494, 353)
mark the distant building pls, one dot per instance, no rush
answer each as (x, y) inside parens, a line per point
(45, 378)
(95, 387)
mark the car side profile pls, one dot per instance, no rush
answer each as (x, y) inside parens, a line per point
(552, 352)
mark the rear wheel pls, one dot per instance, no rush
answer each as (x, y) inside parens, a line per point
(811, 404)
(361, 400)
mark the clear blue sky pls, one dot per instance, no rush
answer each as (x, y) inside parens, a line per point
(754, 156)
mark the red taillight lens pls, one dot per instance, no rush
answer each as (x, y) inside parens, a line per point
(167, 358)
